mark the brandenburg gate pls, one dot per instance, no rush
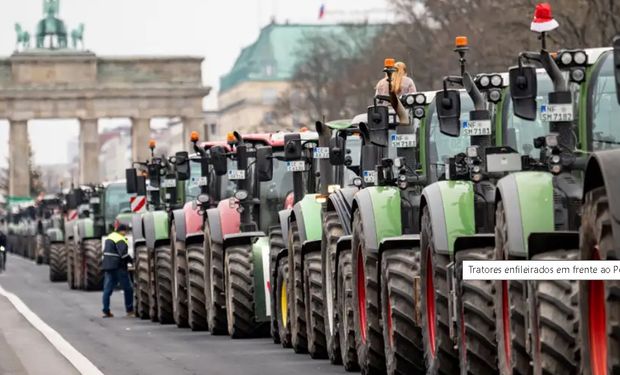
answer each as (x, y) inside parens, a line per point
(53, 81)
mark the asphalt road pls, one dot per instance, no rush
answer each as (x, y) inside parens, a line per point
(132, 346)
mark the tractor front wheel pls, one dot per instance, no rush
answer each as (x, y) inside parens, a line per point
(599, 300)
(297, 308)
(141, 281)
(368, 333)
(179, 287)
(214, 288)
(344, 307)
(239, 282)
(402, 333)
(70, 251)
(313, 293)
(282, 311)
(276, 244)
(332, 231)
(163, 264)
(197, 313)
(439, 351)
(58, 262)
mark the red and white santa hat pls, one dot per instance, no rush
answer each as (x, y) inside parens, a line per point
(543, 20)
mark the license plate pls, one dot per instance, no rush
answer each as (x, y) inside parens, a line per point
(296, 166)
(95, 200)
(556, 112)
(236, 174)
(403, 140)
(321, 153)
(370, 177)
(169, 183)
(477, 127)
(201, 181)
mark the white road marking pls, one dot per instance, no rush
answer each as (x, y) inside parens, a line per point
(77, 359)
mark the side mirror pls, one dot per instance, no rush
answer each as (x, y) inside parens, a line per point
(292, 146)
(523, 89)
(449, 112)
(617, 65)
(337, 150)
(218, 160)
(131, 178)
(141, 185)
(181, 165)
(264, 163)
(378, 122)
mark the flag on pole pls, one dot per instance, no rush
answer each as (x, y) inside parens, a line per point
(322, 11)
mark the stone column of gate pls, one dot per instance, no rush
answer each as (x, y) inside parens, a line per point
(191, 124)
(89, 151)
(140, 135)
(19, 168)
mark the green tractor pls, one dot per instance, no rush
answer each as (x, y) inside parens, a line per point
(50, 236)
(98, 207)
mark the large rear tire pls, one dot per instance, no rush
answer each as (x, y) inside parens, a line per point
(141, 281)
(239, 282)
(368, 333)
(599, 300)
(332, 230)
(39, 249)
(70, 251)
(476, 318)
(276, 244)
(554, 321)
(313, 294)
(93, 276)
(510, 304)
(439, 351)
(297, 308)
(58, 262)
(152, 289)
(179, 287)
(402, 333)
(163, 271)
(344, 307)
(197, 313)
(215, 296)
(283, 312)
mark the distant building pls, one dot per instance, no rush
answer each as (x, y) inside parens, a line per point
(114, 153)
(262, 73)
(212, 125)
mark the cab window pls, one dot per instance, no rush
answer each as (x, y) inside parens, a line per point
(605, 110)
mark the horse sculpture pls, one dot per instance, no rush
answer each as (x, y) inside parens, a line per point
(51, 26)
(77, 36)
(23, 37)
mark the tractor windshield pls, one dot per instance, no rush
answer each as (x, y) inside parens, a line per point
(520, 133)
(441, 147)
(604, 107)
(116, 201)
(273, 193)
(354, 149)
(193, 189)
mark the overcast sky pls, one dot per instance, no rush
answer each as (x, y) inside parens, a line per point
(216, 30)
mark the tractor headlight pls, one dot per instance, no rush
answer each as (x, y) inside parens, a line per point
(555, 169)
(419, 112)
(472, 151)
(484, 81)
(357, 182)
(476, 177)
(402, 181)
(333, 188)
(566, 58)
(409, 100)
(555, 159)
(420, 99)
(580, 57)
(496, 80)
(475, 169)
(495, 96)
(241, 195)
(577, 75)
(203, 198)
(551, 140)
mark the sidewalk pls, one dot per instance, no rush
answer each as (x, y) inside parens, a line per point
(23, 350)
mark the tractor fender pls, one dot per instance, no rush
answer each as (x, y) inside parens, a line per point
(283, 216)
(178, 216)
(156, 228)
(307, 214)
(137, 228)
(602, 170)
(383, 203)
(341, 201)
(242, 238)
(55, 235)
(451, 207)
(541, 242)
(476, 241)
(529, 207)
(343, 244)
(194, 222)
(86, 229)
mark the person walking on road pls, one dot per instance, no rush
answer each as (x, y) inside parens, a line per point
(115, 260)
(3, 250)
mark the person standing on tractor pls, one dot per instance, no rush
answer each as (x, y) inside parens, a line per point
(401, 83)
(115, 260)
